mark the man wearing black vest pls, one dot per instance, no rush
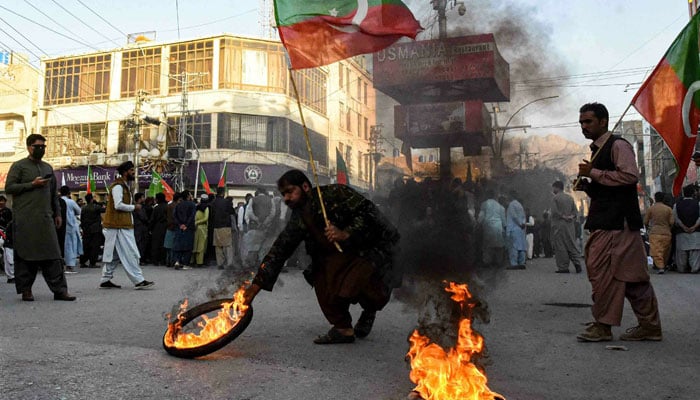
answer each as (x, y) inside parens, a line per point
(687, 217)
(615, 256)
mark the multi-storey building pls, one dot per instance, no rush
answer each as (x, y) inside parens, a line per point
(233, 97)
(18, 105)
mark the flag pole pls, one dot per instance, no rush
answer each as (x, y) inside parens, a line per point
(619, 121)
(311, 156)
(196, 180)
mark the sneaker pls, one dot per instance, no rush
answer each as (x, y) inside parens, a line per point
(144, 285)
(109, 285)
(660, 271)
(70, 270)
(640, 332)
(596, 332)
(182, 267)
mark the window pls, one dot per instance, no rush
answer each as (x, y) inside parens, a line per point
(347, 80)
(9, 126)
(76, 80)
(359, 164)
(366, 129)
(340, 75)
(341, 116)
(252, 65)
(252, 132)
(198, 126)
(359, 88)
(311, 84)
(348, 158)
(359, 125)
(141, 70)
(364, 93)
(348, 120)
(191, 57)
(75, 140)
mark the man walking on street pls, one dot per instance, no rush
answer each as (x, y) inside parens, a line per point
(563, 230)
(120, 243)
(659, 221)
(32, 184)
(515, 232)
(615, 257)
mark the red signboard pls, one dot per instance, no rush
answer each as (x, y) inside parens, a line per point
(453, 69)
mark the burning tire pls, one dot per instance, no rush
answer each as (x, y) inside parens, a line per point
(210, 347)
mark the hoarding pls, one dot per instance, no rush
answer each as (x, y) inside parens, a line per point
(461, 68)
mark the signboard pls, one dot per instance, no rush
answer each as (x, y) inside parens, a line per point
(458, 124)
(452, 69)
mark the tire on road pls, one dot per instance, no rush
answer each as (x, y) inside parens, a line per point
(204, 308)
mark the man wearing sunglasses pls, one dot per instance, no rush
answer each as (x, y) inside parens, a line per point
(32, 184)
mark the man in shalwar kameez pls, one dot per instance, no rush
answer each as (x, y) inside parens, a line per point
(120, 242)
(515, 232)
(73, 245)
(492, 219)
(361, 273)
(615, 255)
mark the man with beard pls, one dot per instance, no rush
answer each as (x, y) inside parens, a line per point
(32, 184)
(119, 232)
(360, 273)
(615, 256)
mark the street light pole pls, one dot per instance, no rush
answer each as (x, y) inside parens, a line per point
(503, 130)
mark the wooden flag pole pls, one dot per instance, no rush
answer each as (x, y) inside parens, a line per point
(311, 156)
(619, 121)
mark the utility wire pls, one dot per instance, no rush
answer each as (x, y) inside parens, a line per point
(17, 41)
(47, 16)
(83, 22)
(100, 17)
(49, 29)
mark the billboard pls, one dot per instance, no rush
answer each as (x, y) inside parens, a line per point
(457, 124)
(452, 69)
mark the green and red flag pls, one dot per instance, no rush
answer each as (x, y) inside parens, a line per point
(91, 186)
(341, 169)
(222, 179)
(668, 98)
(159, 185)
(317, 33)
(204, 181)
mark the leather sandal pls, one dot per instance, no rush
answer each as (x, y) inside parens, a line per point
(334, 337)
(364, 324)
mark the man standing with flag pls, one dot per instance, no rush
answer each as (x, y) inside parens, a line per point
(615, 255)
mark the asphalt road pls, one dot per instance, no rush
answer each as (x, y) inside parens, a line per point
(107, 344)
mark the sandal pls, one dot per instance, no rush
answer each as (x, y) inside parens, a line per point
(364, 324)
(334, 337)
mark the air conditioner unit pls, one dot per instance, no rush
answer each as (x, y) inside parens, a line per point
(191, 155)
(176, 153)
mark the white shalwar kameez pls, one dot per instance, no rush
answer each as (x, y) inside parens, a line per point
(123, 241)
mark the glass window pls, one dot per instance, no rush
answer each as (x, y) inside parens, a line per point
(141, 70)
(75, 139)
(198, 126)
(191, 57)
(237, 66)
(75, 80)
(364, 93)
(311, 85)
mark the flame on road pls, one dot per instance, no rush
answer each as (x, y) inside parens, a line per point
(209, 328)
(450, 375)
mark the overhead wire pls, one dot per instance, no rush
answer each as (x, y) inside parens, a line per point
(82, 22)
(104, 20)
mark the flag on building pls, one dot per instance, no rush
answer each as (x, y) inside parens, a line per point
(159, 185)
(668, 98)
(91, 186)
(222, 179)
(341, 169)
(318, 33)
(204, 181)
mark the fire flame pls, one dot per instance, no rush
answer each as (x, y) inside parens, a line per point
(210, 329)
(450, 375)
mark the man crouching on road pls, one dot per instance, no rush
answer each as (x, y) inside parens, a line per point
(362, 273)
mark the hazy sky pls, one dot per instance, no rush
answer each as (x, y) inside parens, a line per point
(599, 50)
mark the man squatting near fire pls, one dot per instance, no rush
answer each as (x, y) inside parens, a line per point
(362, 272)
(615, 256)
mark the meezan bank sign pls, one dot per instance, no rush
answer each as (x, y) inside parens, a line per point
(452, 69)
